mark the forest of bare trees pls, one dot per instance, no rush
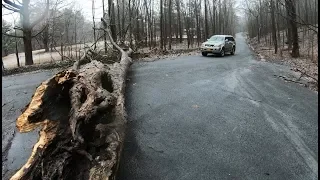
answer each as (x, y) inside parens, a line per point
(284, 24)
(137, 23)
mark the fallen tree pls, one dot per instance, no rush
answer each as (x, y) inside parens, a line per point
(82, 114)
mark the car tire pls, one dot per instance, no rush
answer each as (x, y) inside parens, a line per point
(233, 51)
(222, 52)
(204, 54)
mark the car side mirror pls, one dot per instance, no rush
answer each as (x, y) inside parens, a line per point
(226, 40)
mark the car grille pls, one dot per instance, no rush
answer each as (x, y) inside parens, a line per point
(208, 45)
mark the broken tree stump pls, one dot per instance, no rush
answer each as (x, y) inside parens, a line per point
(82, 114)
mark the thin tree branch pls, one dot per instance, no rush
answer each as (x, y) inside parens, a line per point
(19, 2)
(18, 28)
(110, 38)
(44, 15)
(11, 8)
(12, 35)
(13, 4)
(40, 31)
(8, 13)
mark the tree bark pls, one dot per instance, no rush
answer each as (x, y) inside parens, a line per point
(46, 38)
(104, 33)
(206, 29)
(179, 21)
(27, 47)
(111, 13)
(94, 24)
(291, 10)
(17, 52)
(274, 30)
(83, 119)
(161, 25)
(170, 26)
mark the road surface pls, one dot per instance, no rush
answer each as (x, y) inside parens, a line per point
(212, 118)
(16, 94)
(195, 117)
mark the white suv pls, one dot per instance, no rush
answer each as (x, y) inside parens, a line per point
(219, 44)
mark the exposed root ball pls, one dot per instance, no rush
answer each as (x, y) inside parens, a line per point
(82, 115)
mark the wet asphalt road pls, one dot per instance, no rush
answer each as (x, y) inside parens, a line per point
(16, 94)
(212, 118)
(195, 117)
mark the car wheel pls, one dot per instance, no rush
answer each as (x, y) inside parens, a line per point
(204, 54)
(222, 52)
(233, 51)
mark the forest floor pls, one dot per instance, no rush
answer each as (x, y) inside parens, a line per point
(50, 60)
(306, 65)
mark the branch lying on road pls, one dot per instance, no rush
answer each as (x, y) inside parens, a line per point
(304, 73)
(291, 80)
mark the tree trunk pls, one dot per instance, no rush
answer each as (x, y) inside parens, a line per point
(274, 30)
(179, 21)
(165, 26)
(46, 38)
(27, 36)
(27, 47)
(17, 52)
(112, 20)
(289, 35)
(123, 18)
(259, 23)
(83, 119)
(94, 25)
(170, 26)
(2, 64)
(206, 27)
(291, 9)
(61, 48)
(130, 22)
(278, 21)
(119, 20)
(161, 25)
(104, 33)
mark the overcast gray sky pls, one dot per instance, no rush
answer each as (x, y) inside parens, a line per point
(84, 5)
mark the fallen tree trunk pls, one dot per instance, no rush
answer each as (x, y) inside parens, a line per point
(83, 118)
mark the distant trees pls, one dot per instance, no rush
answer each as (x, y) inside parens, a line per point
(7, 41)
(27, 25)
(135, 22)
(286, 17)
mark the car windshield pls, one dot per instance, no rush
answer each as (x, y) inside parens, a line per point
(216, 38)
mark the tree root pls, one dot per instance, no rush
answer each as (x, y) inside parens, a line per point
(82, 114)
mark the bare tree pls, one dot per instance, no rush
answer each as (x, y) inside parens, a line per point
(291, 10)
(27, 26)
(274, 33)
(94, 24)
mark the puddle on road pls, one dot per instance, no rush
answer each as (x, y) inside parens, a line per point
(20, 150)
